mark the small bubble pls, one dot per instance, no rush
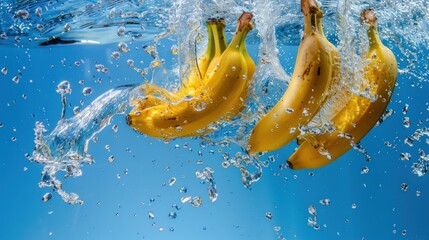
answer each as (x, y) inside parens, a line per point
(87, 91)
(233, 68)
(409, 141)
(405, 109)
(63, 88)
(325, 201)
(172, 181)
(418, 193)
(39, 27)
(364, 170)
(67, 27)
(405, 156)
(404, 187)
(23, 14)
(407, 122)
(404, 232)
(172, 215)
(354, 206)
(174, 49)
(151, 215)
(46, 197)
(15, 79)
(77, 63)
(38, 12)
(183, 190)
(13, 139)
(196, 201)
(116, 55)
(130, 62)
(277, 228)
(268, 215)
(123, 47)
(111, 159)
(76, 110)
(4, 70)
(115, 128)
(121, 31)
(185, 199)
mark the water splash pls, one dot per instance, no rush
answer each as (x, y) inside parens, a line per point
(65, 149)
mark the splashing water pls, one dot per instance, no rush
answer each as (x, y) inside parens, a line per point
(65, 149)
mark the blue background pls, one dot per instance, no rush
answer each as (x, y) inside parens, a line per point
(117, 208)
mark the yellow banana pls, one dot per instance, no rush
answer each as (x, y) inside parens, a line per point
(213, 102)
(314, 69)
(360, 114)
(155, 95)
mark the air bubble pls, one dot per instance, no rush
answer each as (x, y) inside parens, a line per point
(172, 215)
(23, 14)
(268, 215)
(115, 128)
(130, 62)
(121, 31)
(46, 197)
(364, 170)
(233, 68)
(404, 187)
(196, 201)
(407, 122)
(38, 12)
(63, 88)
(123, 47)
(405, 156)
(15, 79)
(151, 215)
(4, 70)
(111, 159)
(116, 55)
(87, 91)
(325, 201)
(67, 27)
(172, 181)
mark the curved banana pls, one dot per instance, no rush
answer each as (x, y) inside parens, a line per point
(314, 69)
(360, 114)
(213, 102)
(156, 95)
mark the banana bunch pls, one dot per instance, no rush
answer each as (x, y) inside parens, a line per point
(317, 64)
(216, 91)
(359, 114)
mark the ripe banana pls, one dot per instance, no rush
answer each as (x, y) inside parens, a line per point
(215, 101)
(360, 114)
(155, 95)
(316, 64)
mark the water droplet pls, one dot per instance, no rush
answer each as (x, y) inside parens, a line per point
(185, 199)
(407, 122)
(130, 62)
(312, 210)
(183, 190)
(38, 12)
(174, 49)
(405, 156)
(63, 88)
(268, 215)
(277, 228)
(111, 159)
(4, 70)
(151, 215)
(172, 215)
(200, 105)
(409, 141)
(23, 14)
(13, 139)
(123, 47)
(226, 164)
(233, 68)
(15, 79)
(172, 181)
(46, 197)
(354, 206)
(116, 55)
(121, 31)
(418, 193)
(40, 27)
(405, 109)
(325, 201)
(404, 187)
(87, 91)
(115, 128)
(67, 27)
(364, 170)
(404, 232)
(196, 201)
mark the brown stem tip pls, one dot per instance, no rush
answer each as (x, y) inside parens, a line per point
(368, 16)
(308, 6)
(245, 20)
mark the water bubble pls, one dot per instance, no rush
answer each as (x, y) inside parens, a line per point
(123, 47)
(183, 190)
(325, 201)
(312, 210)
(23, 14)
(404, 187)
(38, 12)
(226, 164)
(76, 110)
(111, 159)
(130, 62)
(418, 193)
(121, 31)
(77, 63)
(87, 91)
(409, 141)
(151, 215)
(107, 147)
(174, 49)
(116, 55)
(67, 27)
(4, 70)
(268, 215)
(405, 156)
(364, 170)
(405, 109)
(81, 82)
(185, 199)
(277, 228)
(39, 27)
(63, 88)
(200, 106)
(305, 112)
(233, 68)
(404, 232)
(354, 206)
(46, 197)
(172, 181)
(407, 122)
(196, 201)
(15, 79)
(172, 215)
(115, 128)
(244, 76)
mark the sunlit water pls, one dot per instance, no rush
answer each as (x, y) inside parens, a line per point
(172, 33)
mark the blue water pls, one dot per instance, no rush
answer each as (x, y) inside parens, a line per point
(136, 187)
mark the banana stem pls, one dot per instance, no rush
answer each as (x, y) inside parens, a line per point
(243, 27)
(368, 16)
(312, 13)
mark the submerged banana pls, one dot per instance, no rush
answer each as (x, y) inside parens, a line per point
(316, 64)
(360, 114)
(218, 99)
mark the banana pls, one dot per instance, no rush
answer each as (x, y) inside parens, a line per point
(215, 101)
(360, 114)
(315, 66)
(156, 95)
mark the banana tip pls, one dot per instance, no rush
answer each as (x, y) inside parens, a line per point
(310, 6)
(245, 20)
